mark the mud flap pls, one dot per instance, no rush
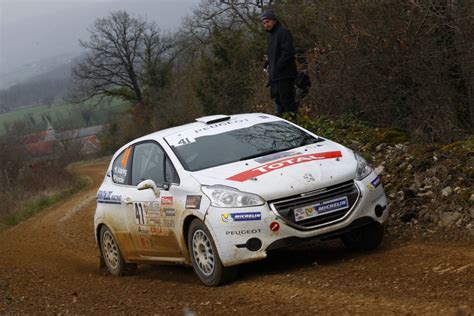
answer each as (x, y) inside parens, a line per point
(102, 265)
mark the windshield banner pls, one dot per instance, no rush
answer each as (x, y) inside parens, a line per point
(189, 136)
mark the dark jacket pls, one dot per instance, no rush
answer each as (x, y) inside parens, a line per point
(281, 60)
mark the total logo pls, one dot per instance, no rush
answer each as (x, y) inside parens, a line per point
(283, 163)
(241, 217)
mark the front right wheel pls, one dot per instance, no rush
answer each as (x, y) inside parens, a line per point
(205, 259)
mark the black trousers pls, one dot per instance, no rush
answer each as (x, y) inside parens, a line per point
(283, 91)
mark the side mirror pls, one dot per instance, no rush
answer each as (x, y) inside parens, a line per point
(149, 184)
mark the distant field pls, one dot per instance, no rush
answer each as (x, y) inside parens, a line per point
(64, 116)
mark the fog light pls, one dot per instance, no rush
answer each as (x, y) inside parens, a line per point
(254, 244)
(379, 210)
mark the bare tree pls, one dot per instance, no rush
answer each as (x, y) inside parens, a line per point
(122, 51)
(223, 14)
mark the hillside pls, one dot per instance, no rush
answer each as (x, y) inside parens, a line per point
(49, 85)
(63, 116)
(35, 70)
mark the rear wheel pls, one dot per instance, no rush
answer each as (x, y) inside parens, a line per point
(364, 238)
(205, 259)
(111, 255)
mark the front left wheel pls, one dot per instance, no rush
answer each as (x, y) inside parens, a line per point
(111, 255)
(205, 259)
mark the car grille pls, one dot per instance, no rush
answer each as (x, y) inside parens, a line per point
(285, 207)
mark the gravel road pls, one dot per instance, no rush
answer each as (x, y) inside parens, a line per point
(49, 265)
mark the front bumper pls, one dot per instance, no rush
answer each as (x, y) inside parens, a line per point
(233, 228)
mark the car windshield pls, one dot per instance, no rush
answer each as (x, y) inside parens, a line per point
(241, 144)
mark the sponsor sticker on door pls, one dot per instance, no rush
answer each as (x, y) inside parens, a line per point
(166, 200)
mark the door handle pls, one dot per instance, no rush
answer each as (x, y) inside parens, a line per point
(128, 201)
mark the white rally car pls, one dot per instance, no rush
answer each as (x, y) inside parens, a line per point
(224, 190)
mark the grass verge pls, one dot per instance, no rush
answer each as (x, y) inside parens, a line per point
(42, 202)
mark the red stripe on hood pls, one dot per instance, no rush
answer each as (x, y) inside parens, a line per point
(283, 163)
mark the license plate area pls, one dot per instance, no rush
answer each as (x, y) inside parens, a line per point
(321, 208)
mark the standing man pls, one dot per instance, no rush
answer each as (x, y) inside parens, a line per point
(281, 63)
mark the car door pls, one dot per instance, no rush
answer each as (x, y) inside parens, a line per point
(112, 198)
(152, 214)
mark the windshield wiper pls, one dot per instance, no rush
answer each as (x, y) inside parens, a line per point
(265, 153)
(308, 139)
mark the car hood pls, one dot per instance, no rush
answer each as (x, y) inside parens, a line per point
(286, 173)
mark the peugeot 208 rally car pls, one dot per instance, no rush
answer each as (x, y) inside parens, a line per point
(224, 190)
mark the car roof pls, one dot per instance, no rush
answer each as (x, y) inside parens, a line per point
(200, 122)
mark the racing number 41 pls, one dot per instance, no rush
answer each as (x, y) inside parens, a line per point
(184, 141)
(139, 213)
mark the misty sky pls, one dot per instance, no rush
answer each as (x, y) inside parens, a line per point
(32, 30)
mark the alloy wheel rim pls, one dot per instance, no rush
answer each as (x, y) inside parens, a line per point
(110, 250)
(203, 254)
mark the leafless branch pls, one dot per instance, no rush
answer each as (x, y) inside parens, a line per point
(122, 50)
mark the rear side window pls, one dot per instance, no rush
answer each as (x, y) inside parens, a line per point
(121, 167)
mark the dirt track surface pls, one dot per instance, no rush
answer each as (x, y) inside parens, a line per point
(49, 265)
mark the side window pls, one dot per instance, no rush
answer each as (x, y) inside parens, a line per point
(148, 163)
(121, 167)
(170, 171)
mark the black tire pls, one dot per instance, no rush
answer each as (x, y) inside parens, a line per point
(364, 238)
(205, 258)
(111, 255)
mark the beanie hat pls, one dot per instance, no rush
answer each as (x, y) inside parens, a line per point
(268, 15)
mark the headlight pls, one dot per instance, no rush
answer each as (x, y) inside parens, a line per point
(228, 197)
(363, 168)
